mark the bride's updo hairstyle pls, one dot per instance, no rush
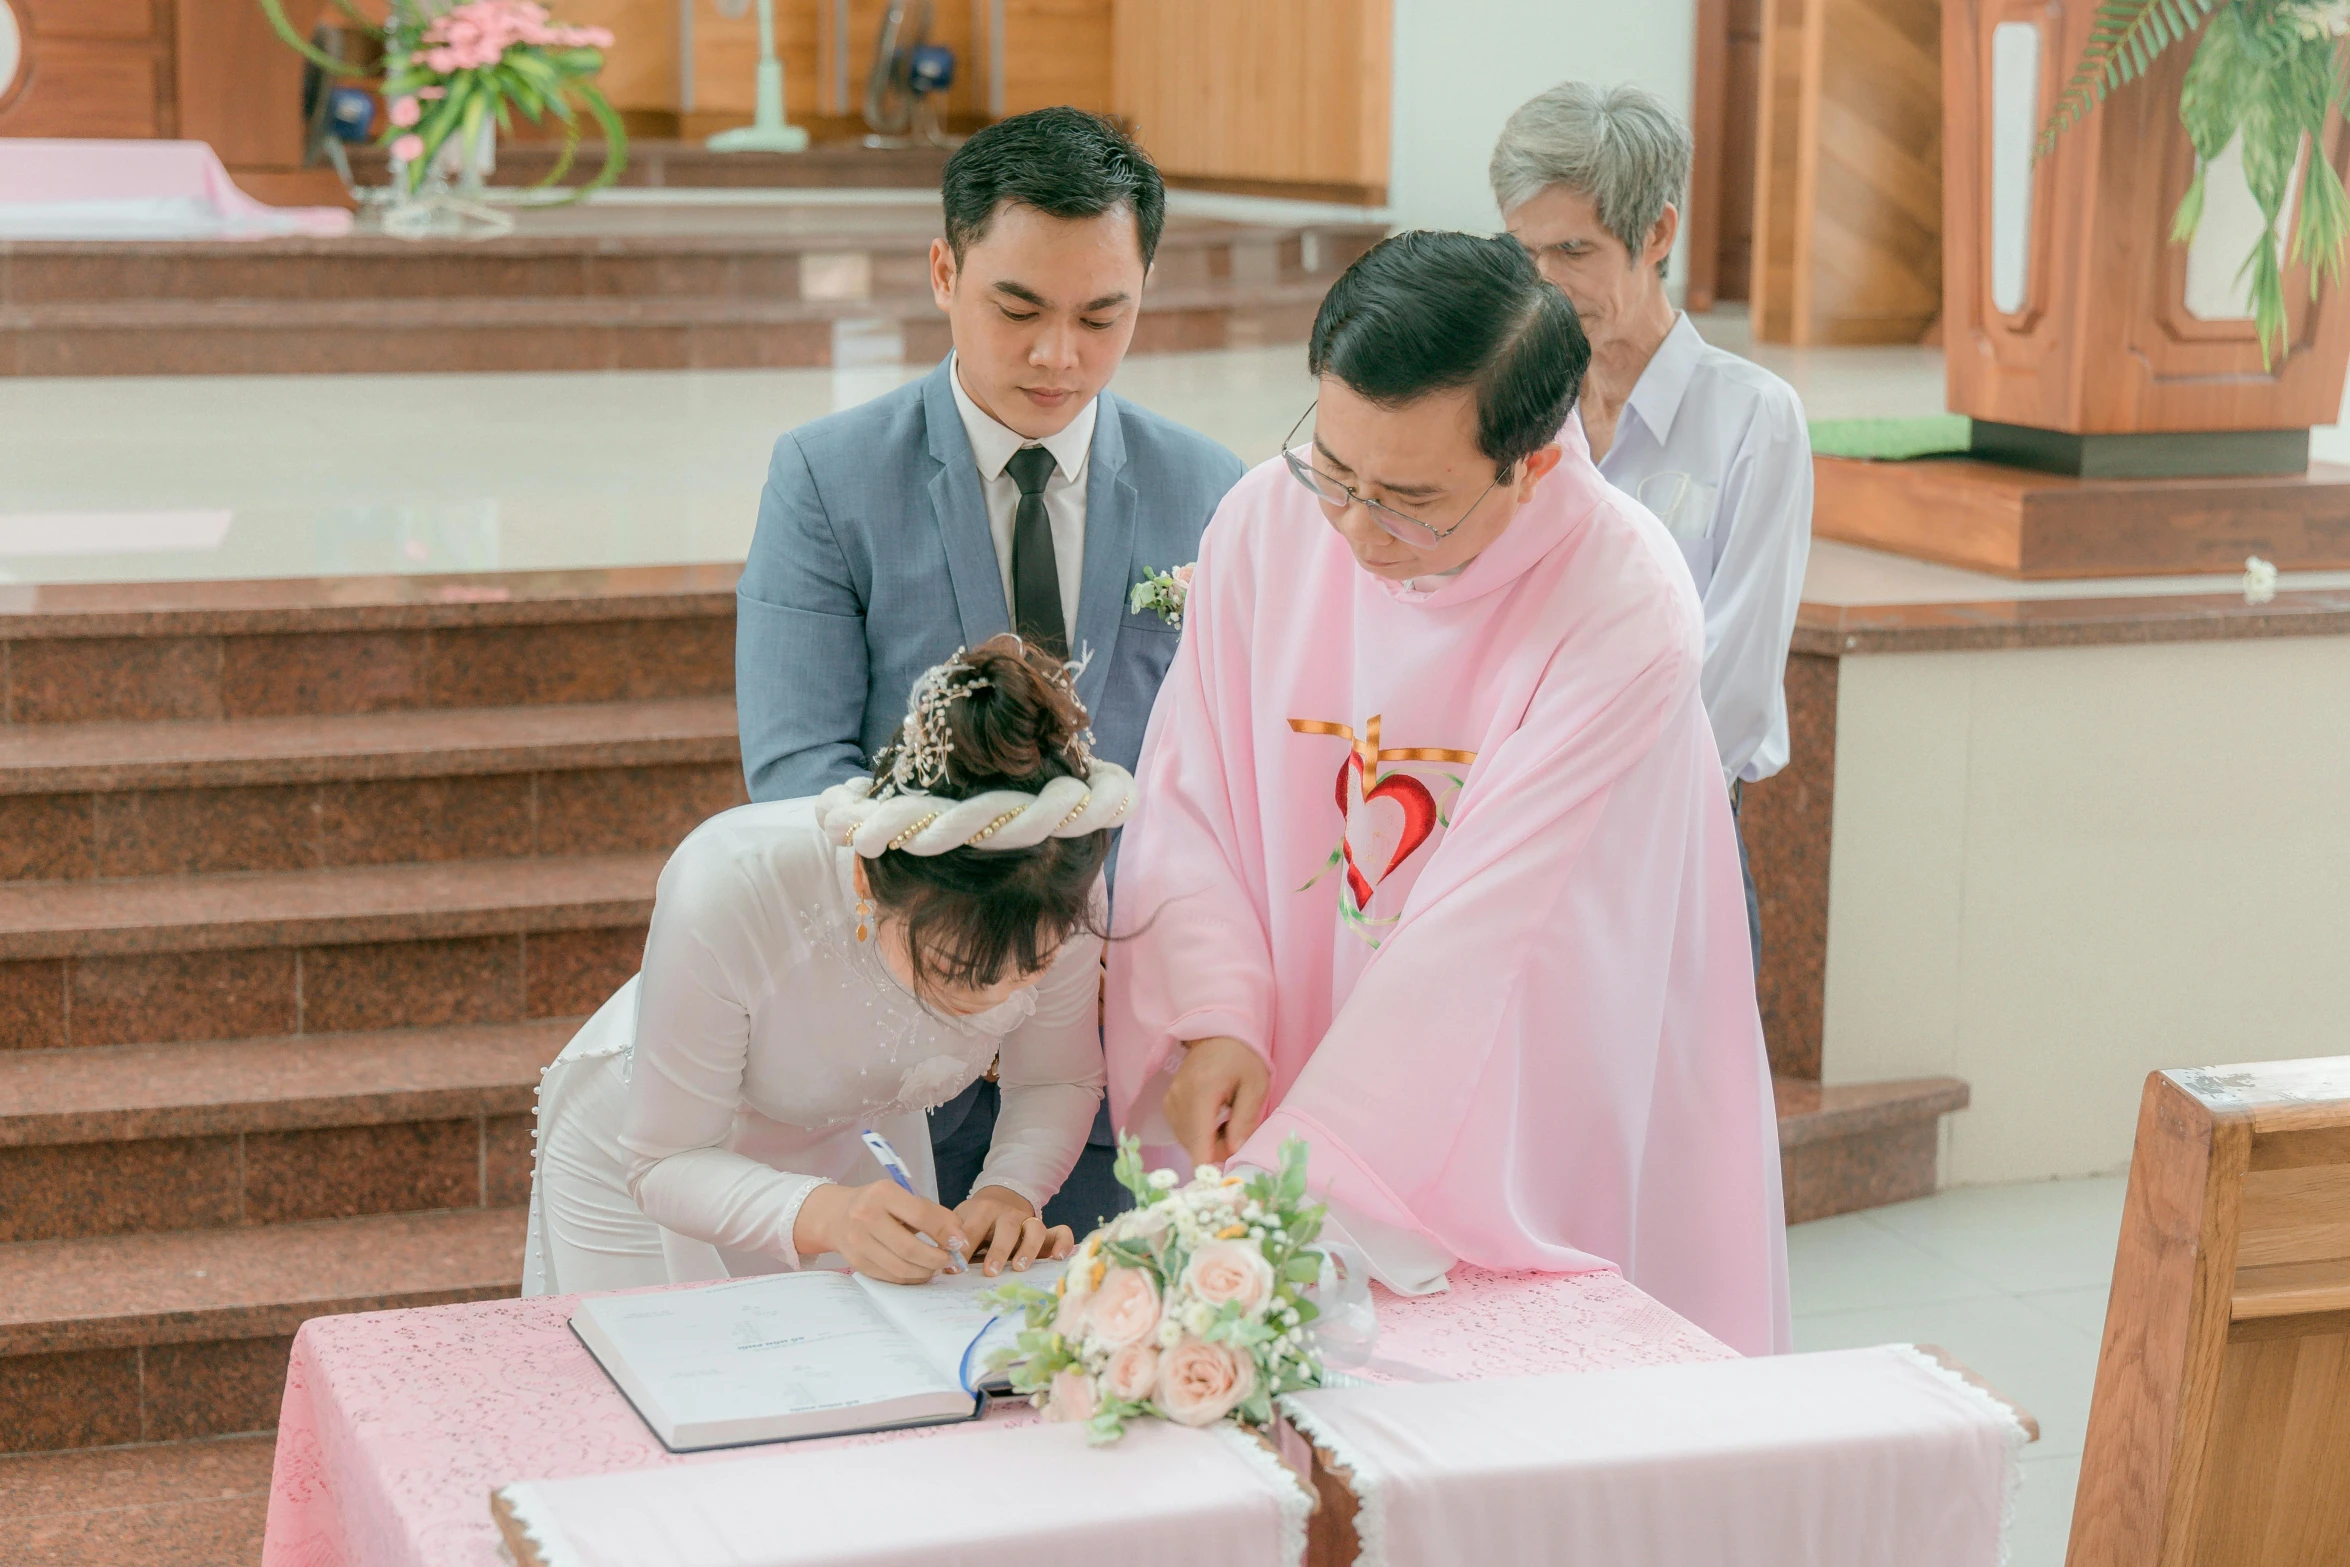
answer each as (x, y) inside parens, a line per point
(1008, 719)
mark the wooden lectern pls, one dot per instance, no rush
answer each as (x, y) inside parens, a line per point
(2116, 430)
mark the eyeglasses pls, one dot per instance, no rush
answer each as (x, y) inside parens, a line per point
(1401, 526)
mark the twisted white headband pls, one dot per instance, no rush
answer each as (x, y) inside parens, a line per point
(926, 824)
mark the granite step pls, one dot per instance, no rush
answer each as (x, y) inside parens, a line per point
(458, 333)
(295, 1082)
(84, 801)
(846, 256)
(125, 1139)
(162, 1337)
(308, 648)
(75, 759)
(1844, 1147)
(201, 1503)
(85, 964)
(339, 907)
(674, 163)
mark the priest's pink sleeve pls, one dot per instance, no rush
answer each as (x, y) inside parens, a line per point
(1195, 959)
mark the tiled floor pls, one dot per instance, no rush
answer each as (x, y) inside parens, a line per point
(162, 478)
(2010, 1279)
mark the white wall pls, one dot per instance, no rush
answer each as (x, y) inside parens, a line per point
(1462, 66)
(2057, 870)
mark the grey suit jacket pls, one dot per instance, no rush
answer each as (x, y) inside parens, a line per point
(873, 561)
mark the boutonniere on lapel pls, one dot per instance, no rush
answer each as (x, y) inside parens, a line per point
(1164, 591)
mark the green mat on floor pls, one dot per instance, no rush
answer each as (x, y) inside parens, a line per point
(1891, 440)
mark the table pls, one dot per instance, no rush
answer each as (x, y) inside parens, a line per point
(397, 1425)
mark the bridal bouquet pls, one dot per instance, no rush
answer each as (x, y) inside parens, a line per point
(1193, 1307)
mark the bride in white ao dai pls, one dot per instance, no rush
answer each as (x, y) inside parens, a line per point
(797, 990)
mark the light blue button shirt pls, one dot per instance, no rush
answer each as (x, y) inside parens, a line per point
(1716, 447)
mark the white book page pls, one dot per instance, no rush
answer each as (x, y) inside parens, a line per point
(781, 1344)
(946, 1315)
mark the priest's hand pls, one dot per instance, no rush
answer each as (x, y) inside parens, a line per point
(883, 1230)
(1010, 1233)
(1217, 1098)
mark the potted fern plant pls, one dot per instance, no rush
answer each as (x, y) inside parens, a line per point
(2269, 71)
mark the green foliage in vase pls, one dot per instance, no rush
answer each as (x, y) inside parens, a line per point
(449, 71)
(2267, 71)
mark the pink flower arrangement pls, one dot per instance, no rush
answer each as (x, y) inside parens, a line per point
(1194, 1307)
(478, 33)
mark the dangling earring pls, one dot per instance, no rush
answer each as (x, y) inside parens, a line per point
(864, 918)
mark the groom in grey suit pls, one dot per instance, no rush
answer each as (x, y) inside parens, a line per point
(1006, 490)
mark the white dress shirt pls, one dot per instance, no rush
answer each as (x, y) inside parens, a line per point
(993, 444)
(1717, 448)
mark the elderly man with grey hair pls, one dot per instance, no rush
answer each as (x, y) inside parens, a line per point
(1589, 180)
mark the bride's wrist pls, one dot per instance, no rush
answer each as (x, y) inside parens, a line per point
(811, 1230)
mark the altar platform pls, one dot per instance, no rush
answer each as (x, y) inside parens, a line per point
(697, 279)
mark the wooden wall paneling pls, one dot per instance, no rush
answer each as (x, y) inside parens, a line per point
(1742, 86)
(240, 88)
(2103, 343)
(92, 68)
(725, 59)
(1780, 155)
(1723, 123)
(1243, 93)
(1875, 270)
(1701, 207)
(827, 52)
(1057, 51)
(1848, 172)
(640, 69)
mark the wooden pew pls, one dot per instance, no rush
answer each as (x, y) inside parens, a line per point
(2219, 1435)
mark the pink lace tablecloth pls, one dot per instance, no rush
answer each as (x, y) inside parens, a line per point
(397, 1425)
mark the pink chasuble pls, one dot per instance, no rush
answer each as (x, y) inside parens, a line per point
(1461, 865)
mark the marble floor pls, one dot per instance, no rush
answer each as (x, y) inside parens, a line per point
(168, 478)
(2010, 1279)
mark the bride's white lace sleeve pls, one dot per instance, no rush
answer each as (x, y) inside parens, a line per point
(693, 1034)
(1051, 1079)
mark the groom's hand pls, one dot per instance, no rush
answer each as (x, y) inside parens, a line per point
(1217, 1098)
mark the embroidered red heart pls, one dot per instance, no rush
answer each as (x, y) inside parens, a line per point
(1419, 820)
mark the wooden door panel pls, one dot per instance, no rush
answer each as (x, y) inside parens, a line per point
(70, 88)
(90, 18)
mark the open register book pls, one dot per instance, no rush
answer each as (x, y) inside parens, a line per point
(789, 1355)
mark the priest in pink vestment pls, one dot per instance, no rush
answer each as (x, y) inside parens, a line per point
(1434, 866)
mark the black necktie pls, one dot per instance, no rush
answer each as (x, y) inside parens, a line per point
(1036, 573)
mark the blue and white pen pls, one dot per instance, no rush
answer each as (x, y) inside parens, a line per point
(895, 1168)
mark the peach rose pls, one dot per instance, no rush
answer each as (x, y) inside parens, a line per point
(1132, 1372)
(1125, 1309)
(1072, 1396)
(1200, 1383)
(1235, 1271)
